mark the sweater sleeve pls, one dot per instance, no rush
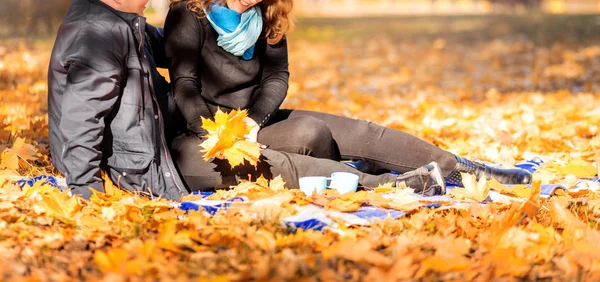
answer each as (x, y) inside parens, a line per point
(183, 40)
(274, 83)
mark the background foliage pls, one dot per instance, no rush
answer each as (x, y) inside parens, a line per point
(499, 88)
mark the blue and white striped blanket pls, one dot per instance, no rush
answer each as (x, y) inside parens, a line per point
(316, 218)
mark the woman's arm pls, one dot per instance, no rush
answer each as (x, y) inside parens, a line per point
(183, 42)
(274, 83)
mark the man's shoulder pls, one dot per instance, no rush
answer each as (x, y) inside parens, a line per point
(89, 29)
(89, 39)
(89, 19)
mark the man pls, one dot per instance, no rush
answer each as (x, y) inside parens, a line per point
(103, 100)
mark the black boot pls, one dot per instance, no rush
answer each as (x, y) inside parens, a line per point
(426, 180)
(502, 175)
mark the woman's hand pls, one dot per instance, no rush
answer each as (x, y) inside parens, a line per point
(253, 134)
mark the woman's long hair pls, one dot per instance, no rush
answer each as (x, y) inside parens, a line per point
(277, 17)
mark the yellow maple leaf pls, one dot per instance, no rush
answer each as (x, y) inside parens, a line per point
(521, 191)
(474, 190)
(385, 188)
(119, 261)
(277, 184)
(172, 240)
(242, 150)
(579, 168)
(53, 202)
(403, 200)
(262, 181)
(105, 261)
(226, 139)
(8, 176)
(348, 202)
(19, 150)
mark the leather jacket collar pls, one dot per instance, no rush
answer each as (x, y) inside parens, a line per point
(136, 22)
(129, 18)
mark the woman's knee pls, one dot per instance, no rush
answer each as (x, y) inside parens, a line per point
(308, 132)
(303, 135)
(311, 130)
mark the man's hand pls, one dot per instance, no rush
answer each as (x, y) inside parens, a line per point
(253, 134)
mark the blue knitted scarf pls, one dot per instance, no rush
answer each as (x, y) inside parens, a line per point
(237, 32)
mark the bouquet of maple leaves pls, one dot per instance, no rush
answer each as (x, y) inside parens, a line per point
(226, 138)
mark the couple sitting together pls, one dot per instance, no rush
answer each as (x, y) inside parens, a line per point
(110, 110)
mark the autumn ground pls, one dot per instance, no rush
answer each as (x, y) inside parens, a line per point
(500, 89)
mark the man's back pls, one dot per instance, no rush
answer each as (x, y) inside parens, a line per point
(72, 43)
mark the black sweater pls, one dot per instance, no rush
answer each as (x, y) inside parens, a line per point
(204, 76)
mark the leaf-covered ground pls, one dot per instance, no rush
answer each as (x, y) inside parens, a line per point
(500, 89)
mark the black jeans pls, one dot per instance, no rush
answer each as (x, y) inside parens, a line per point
(200, 175)
(334, 137)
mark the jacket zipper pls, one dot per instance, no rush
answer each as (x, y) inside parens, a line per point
(142, 74)
(160, 118)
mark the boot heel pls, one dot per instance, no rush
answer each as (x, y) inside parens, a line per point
(426, 180)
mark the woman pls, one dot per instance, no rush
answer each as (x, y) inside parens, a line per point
(234, 55)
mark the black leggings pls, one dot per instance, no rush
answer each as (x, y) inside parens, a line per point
(334, 137)
(303, 143)
(205, 176)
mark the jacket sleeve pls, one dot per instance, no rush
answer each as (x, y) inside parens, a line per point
(274, 83)
(157, 41)
(94, 77)
(183, 38)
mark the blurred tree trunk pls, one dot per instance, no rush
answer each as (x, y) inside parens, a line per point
(32, 17)
(160, 6)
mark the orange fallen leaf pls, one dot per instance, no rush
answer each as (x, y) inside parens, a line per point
(118, 261)
(358, 251)
(532, 205)
(348, 202)
(19, 151)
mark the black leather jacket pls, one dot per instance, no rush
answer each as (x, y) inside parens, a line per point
(103, 111)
